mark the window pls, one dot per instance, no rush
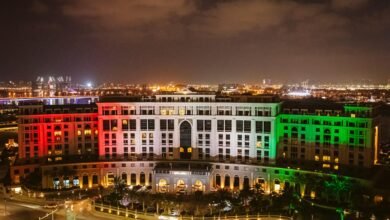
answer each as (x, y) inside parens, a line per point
(166, 124)
(259, 127)
(128, 124)
(224, 125)
(147, 110)
(220, 125)
(110, 125)
(239, 126)
(203, 110)
(224, 110)
(243, 111)
(267, 127)
(243, 126)
(167, 110)
(147, 124)
(203, 125)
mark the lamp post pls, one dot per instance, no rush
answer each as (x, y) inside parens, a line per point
(341, 213)
(5, 206)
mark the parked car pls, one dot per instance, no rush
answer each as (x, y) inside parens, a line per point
(51, 205)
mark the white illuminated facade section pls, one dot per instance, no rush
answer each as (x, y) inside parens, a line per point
(188, 126)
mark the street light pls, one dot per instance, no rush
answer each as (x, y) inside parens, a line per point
(341, 213)
(5, 206)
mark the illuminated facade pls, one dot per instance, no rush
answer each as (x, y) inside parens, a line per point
(183, 142)
(52, 132)
(189, 127)
(328, 137)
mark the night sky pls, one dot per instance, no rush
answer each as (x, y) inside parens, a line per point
(196, 41)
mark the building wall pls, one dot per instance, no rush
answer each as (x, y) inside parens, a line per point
(269, 178)
(258, 135)
(328, 141)
(113, 141)
(56, 134)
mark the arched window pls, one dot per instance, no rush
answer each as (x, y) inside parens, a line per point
(85, 181)
(56, 183)
(236, 183)
(133, 179)
(124, 178)
(142, 178)
(185, 140)
(227, 181)
(217, 180)
(277, 185)
(246, 182)
(198, 186)
(95, 179)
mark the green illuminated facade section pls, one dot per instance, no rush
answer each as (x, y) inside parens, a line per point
(327, 138)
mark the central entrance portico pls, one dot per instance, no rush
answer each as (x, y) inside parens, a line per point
(182, 178)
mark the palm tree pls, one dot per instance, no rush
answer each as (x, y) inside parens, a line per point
(119, 189)
(119, 185)
(245, 193)
(338, 185)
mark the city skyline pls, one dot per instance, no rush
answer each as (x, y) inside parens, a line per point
(195, 109)
(197, 42)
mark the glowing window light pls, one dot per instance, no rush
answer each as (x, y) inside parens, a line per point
(57, 133)
(182, 111)
(312, 194)
(336, 167)
(336, 160)
(87, 132)
(58, 159)
(325, 165)
(277, 187)
(181, 150)
(189, 150)
(79, 132)
(316, 158)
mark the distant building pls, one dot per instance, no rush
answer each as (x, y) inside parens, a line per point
(51, 86)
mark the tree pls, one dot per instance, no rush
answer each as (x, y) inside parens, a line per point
(244, 195)
(33, 180)
(338, 185)
(119, 189)
(119, 185)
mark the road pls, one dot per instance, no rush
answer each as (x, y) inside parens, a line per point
(82, 210)
(17, 210)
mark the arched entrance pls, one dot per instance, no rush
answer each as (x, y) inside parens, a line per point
(162, 186)
(181, 186)
(277, 185)
(198, 186)
(185, 140)
(246, 182)
(227, 182)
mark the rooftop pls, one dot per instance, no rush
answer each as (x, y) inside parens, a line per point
(190, 97)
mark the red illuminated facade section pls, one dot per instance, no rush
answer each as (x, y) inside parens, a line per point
(52, 133)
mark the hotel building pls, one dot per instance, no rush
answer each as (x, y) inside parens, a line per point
(327, 136)
(181, 142)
